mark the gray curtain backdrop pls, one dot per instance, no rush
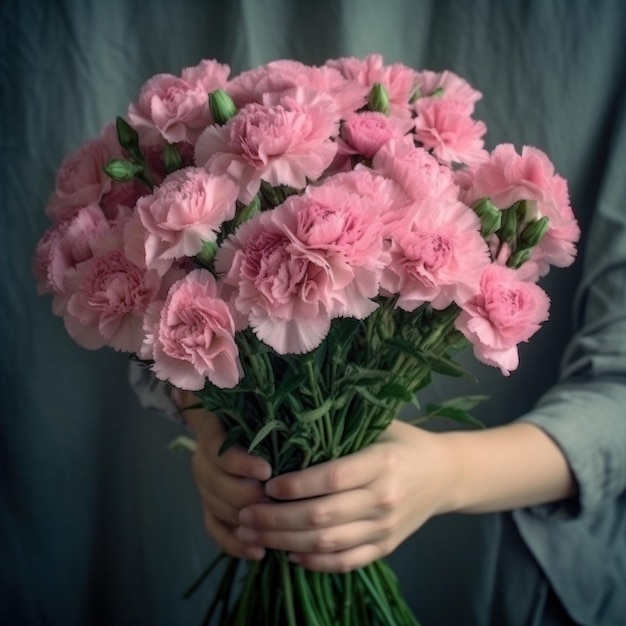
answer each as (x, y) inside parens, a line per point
(99, 522)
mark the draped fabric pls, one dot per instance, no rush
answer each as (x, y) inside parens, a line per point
(99, 521)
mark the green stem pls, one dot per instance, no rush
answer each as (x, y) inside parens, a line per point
(288, 590)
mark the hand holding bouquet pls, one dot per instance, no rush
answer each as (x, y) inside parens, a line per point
(303, 247)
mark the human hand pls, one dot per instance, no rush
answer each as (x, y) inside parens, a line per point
(346, 513)
(226, 483)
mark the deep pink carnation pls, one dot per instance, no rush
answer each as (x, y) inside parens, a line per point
(419, 174)
(508, 177)
(399, 80)
(80, 179)
(451, 85)
(109, 301)
(447, 128)
(190, 336)
(504, 312)
(170, 108)
(281, 77)
(365, 133)
(437, 258)
(186, 210)
(284, 141)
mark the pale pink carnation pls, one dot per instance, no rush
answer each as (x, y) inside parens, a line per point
(284, 141)
(80, 179)
(365, 133)
(281, 77)
(399, 80)
(296, 267)
(447, 128)
(107, 306)
(504, 312)
(190, 336)
(507, 178)
(187, 209)
(419, 174)
(170, 108)
(438, 258)
(208, 74)
(65, 245)
(453, 87)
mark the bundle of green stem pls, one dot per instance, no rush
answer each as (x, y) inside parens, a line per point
(300, 410)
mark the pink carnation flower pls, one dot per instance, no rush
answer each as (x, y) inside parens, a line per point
(191, 336)
(208, 74)
(453, 87)
(365, 133)
(399, 80)
(504, 312)
(80, 179)
(282, 77)
(438, 258)
(284, 141)
(109, 300)
(170, 108)
(507, 178)
(296, 267)
(419, 174)
(65, 246)
(186, 210)
(446, 127)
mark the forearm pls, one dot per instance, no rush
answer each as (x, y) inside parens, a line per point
(505, 468)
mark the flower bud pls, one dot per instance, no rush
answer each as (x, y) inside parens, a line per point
(490, 216)
(534, 233)
(517, 259)
(438, 93)
(171, 158)
(122, 171)
(508, 230)
(378, 99)
(208, 252)
(128, 137)
(222, 106)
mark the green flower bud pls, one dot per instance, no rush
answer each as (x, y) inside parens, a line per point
(517, 259)
(378, 99)
(508, 230)
(438, 93)
(534, 233)
(128, 137)
(171, 158)
(490, 216)
(208, 252)
(222, 106)
(121, 170)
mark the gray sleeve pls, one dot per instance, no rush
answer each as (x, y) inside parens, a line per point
(153, 394)
(585, 414)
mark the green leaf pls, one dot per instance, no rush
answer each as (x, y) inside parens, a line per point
(267, 428)
(445, 365)
(380, 601)
(463, 403)
(365, 376)
(289, 384)
(458, 415)
(371, 398)
(313, 415)
(397, 344)
(395, 391)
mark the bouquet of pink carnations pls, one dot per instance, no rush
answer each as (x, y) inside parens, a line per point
(303, 247)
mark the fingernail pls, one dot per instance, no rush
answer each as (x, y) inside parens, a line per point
(294, 558)
(271, 489)
(255, 554)
(246, 517)
(247, 534)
